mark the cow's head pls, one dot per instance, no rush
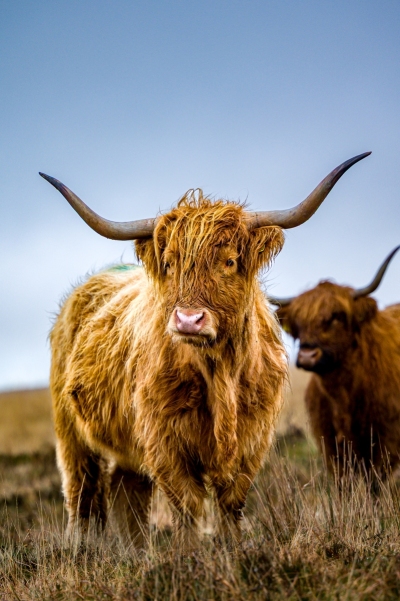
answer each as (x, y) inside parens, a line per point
(203, 259)
(327, 319)
(204, 255)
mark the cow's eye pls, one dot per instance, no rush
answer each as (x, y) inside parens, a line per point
(230, 263)
(335, 318)
(167, 266)
(339, 316)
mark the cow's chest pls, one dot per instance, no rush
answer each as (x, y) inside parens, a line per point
(353, 422)
(187, 413)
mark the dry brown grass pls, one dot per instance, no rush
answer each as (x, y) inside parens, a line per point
(26, 424)
(305, 538)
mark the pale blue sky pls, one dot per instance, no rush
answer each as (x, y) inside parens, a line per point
(132, 103)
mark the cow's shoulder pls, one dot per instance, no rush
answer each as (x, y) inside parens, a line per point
(102, 295)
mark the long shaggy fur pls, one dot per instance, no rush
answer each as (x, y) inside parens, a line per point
(134, 407)
(358, 400)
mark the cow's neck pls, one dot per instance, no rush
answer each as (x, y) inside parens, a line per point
(354, 378)
(228, 358)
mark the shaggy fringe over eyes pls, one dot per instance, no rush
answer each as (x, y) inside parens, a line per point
(322, 302)
(195, 229)
(195, 225)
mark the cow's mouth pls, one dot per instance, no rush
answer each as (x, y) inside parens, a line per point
(198, 341)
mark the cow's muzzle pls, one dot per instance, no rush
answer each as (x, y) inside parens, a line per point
(309, 357)
(191, 323)
(188, 321)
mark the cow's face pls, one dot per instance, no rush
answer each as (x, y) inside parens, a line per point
(203, 261)
(326, 321)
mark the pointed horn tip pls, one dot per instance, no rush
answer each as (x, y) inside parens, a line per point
(349, 163)
(378, 277)
(48, 177)
(54, 182)
(391, 255)
(363, 155)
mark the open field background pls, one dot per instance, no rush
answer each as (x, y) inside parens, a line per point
(303, 537)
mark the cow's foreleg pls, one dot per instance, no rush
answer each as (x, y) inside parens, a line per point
(130, 501)
(84, 482)
(231, 499)
(186, 494)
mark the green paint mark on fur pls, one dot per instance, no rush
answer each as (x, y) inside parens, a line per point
(124, 267)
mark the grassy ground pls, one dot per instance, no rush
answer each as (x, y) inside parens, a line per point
(303, 539)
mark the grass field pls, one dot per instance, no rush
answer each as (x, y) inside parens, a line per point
(303, 537)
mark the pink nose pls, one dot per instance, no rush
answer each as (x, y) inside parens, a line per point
(189, 321)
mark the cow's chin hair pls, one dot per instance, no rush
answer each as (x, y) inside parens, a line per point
(198, 340)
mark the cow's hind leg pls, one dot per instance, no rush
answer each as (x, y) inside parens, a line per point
(84, 480)
(130, 501)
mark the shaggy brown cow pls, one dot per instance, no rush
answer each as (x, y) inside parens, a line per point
(172, 375)
(353, 350)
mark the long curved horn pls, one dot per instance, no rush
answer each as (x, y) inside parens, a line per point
(143, 228)
(378, 278)
(280, 302)
(125, 230)
(302, 212)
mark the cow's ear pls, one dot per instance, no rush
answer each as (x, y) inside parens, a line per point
(282, 313)
(146, 253)
(365, 308)
(263, 246)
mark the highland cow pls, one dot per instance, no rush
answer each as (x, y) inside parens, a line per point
(172, 374)
(353, 350)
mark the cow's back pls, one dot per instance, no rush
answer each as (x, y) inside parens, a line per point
(392, 313)
(384, 341)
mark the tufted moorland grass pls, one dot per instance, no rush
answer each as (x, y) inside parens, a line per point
(304, 538)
